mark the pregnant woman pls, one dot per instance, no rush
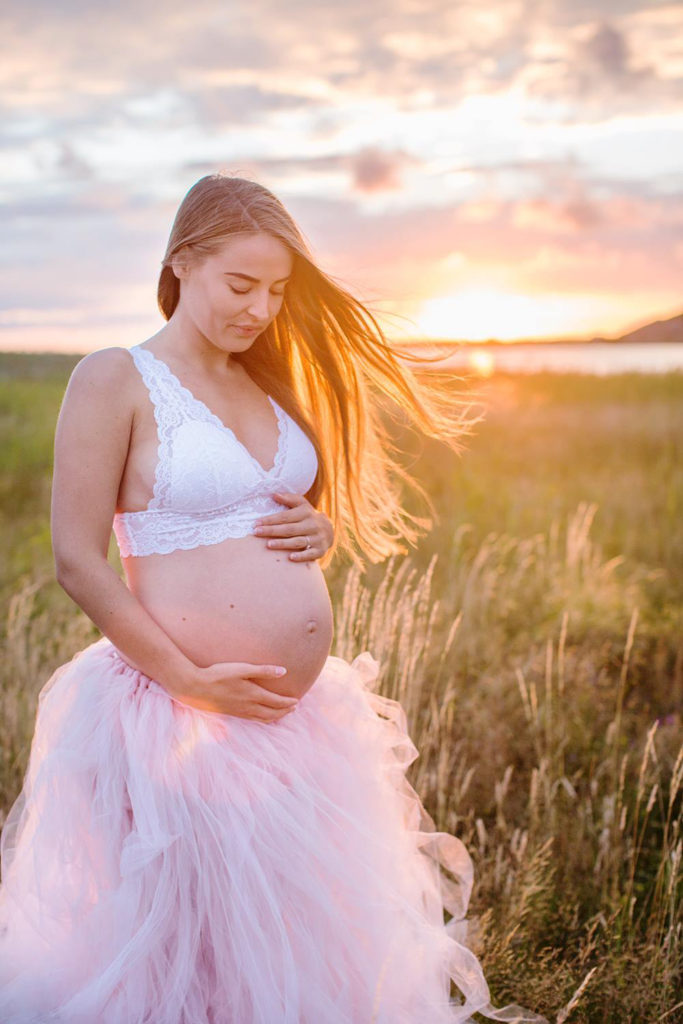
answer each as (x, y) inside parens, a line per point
(215, 826)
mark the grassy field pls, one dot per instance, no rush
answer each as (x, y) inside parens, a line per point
(535, 639)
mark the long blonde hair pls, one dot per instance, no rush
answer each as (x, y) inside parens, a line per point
(326, 361)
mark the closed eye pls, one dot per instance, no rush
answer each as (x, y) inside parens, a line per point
(245, 291)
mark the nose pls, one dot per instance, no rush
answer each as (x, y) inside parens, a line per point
(258, 306)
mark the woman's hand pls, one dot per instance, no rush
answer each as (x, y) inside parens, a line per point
(300, 528)
(238, 688)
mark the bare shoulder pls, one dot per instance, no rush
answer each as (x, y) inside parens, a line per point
(106, 379)
(106, 368)
(101, 403)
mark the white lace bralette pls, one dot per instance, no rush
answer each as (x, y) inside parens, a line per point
(207, 485)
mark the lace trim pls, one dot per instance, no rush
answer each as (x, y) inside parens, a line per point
(162, 382)
(163, 531)
(168, 414)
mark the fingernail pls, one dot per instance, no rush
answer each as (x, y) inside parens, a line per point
(279, 670)
(257, 529)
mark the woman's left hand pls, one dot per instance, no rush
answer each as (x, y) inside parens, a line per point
(300, 528)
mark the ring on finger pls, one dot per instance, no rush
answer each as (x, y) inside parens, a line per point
(308, 543)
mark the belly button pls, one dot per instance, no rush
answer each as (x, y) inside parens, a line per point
(311, 625)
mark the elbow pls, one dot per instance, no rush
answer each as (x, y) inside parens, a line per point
(64, 573)
(69, 570)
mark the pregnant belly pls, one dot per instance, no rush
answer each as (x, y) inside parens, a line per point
(240, 601)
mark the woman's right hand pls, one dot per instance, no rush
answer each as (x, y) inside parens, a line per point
(235, 688)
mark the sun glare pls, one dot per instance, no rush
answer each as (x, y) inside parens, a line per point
(482, 363)
(477, 314)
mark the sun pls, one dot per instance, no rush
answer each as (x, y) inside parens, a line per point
(480, 313)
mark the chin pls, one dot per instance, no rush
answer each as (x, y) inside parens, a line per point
(233, 346)
(249, 342)
(244, 347)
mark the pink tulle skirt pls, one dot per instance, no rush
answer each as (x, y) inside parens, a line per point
(164, 865)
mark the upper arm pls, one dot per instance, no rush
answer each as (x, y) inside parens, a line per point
(91, 447)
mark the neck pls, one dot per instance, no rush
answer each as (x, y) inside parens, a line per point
(184, 342)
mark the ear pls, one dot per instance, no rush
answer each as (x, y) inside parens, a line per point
(180, 267)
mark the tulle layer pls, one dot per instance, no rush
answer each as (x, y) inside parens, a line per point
(164, 865)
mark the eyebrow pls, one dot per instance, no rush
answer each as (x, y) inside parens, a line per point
(247, 277)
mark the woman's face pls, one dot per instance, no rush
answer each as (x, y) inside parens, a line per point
(232, 296)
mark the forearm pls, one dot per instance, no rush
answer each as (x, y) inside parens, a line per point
(104, 597)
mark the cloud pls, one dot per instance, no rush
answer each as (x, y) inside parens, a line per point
(605, 67)
(72, 164)
(369, 170)
(375, 170)
(94, 279)
(420, 143)
(232, 64)
(235, 105)
(574, 215)
(606, 49)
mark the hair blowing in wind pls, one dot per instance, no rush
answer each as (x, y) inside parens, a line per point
(327, 361)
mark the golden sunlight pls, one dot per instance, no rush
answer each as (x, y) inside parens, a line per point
(479, 313)
(483, 363)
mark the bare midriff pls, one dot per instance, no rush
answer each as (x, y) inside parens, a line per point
(240, 601)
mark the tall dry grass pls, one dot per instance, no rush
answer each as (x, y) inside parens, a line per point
(572, 810)
(535, 641)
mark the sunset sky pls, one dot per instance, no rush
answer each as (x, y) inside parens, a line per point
(471, 169)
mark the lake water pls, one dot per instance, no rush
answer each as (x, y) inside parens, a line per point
(591, 357)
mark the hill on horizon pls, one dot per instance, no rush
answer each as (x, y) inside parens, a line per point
(658, 330)
(669, 330)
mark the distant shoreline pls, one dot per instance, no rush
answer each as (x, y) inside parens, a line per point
(661, 332)
(496, 343)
